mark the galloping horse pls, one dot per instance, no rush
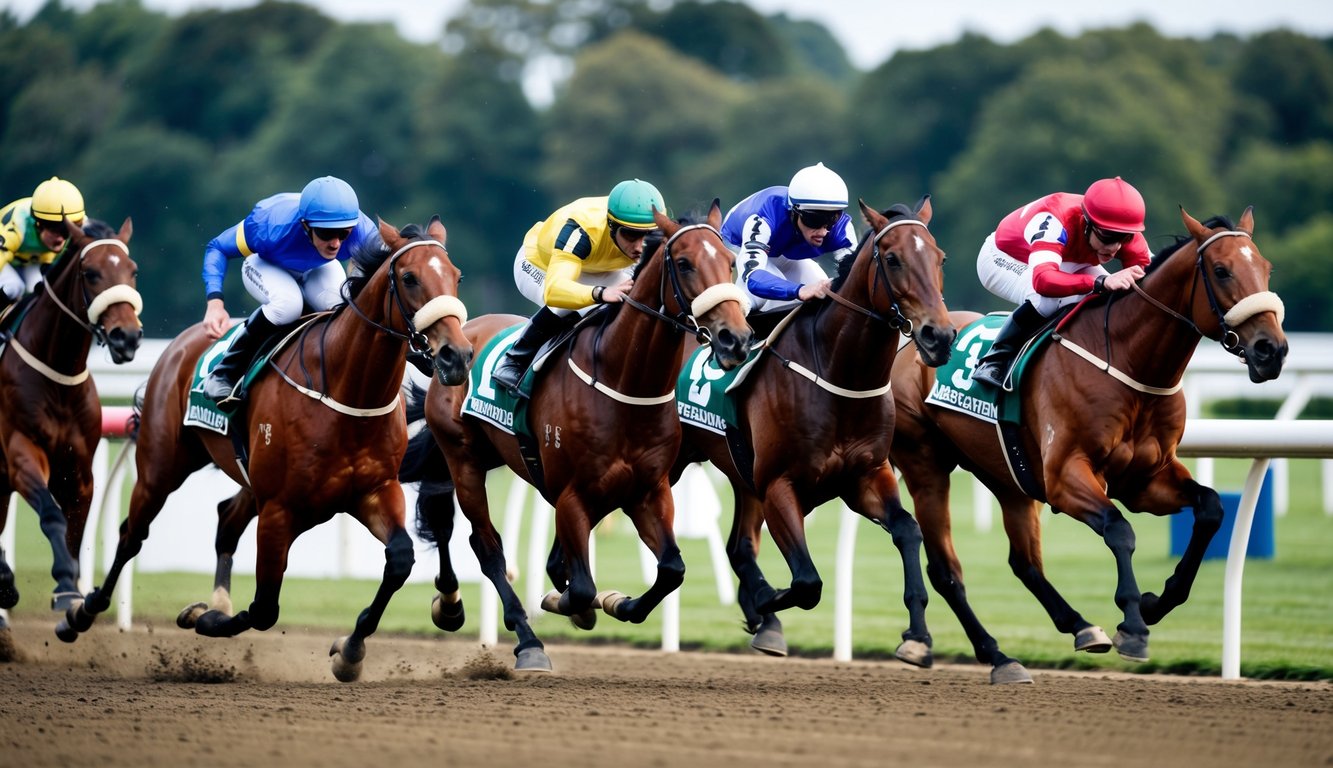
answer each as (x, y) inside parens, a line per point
(50, 415)
(817, 415)
(325, 434)
(1102, 414)
(607, 439)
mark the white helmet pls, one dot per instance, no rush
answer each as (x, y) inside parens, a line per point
(816, 188)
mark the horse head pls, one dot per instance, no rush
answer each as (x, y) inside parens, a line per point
(423, 286)
(907, 284)
(96, 275)
(696, 282)
(1241, 312)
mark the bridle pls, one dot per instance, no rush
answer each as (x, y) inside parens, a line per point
(97, 305)
(896, 320)
(686, 320)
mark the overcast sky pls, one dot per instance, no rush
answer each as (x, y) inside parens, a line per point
(871, 30)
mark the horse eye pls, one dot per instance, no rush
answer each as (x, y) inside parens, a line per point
(1221, 272)
(684, 265)
(91, 275)
(893, 261)
(410, 280)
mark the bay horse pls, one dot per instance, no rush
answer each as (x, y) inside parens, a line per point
(607, 440)
(817, 415)
(50, 415)
(326, 430)
(1102, 414)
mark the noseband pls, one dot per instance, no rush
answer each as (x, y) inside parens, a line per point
(97, 305)
(432, 311)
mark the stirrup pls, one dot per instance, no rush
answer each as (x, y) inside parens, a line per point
(991, 373)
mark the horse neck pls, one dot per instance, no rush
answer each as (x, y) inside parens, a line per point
(853, 351)
(1147, 342)
(638, 354)
(50, 334)
(364, 364)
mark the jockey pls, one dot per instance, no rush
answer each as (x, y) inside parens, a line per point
(291, 245)
(1049, 254)
(777, 234)
(582, 255)
(32, 234)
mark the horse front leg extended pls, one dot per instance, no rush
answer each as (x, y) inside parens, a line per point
(653, 518)
(470, 481)
(1166, 494)
(753, 589)
(274, 539)
(786, 524)
(878, 500)
(348, 652)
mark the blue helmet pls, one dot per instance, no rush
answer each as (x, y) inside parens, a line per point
(329, 202)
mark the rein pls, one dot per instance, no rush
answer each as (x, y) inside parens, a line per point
(113, 295)
(897, 322)
(1243, 310)
(683, 322)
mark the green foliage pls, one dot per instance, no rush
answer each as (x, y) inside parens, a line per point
(1301, 273)
(1292, 75)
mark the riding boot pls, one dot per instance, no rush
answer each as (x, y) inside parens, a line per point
(222, 381)
(1022, 323)
(541, 327)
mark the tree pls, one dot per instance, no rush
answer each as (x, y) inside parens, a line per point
(1292, 75)
(1300, 272)
(1289, 186)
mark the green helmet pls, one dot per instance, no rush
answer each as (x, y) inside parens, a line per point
(631, 204)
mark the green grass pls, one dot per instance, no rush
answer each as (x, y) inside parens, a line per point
(1287, 615)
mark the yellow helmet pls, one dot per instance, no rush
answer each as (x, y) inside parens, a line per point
(55, 198)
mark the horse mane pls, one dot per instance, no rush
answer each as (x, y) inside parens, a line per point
(369, 255)
(655, 240)
(1180, 241)
(98, 229)
(893, 213)
(95, 229)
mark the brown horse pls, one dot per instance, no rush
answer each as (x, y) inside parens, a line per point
(817, 416)
(608, 439)
(50, 415)
(1102, 414)
(325, 434)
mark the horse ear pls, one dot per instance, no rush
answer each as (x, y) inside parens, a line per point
(664, 222)
(435, 229)
(715, 214)
(923, 209)
(1247, 220)
(126, 230)
(872, 217)
(1196, 230)
(388, 232)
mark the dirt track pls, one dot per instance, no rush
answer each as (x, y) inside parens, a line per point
(141, 700)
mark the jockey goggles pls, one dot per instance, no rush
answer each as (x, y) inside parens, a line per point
(1108, 237)
(331, 233)
(819, 219)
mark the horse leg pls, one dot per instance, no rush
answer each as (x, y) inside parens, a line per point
(555, 571)
(9, 592)
(234, 514)
(878, 500)
(786, 524)
(1022, 525)
(377, 511)
(435, 508)
(653, 518)
(928, 479)
(274, 539)
(747, 522)
(1166, 494)
(470, 485)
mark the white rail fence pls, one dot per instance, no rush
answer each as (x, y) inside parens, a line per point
(182, 539)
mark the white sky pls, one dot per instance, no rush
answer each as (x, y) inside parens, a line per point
(871, 30)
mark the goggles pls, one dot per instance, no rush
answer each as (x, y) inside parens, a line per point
(1108, 237)
(819, 219)
(329, 234)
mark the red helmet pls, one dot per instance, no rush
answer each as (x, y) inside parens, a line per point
(1114, 205)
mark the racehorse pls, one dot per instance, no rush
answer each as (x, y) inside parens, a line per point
(326, 433)
(816, 415)
(1102, 414)
(606, 439)
(50, 415)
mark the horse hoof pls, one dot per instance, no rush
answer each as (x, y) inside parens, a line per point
(916, 653)
(611, 601)
(768, 638)
(585, 620)
(79, 617)
(1131, 648)
(551, 602)
(1009, 672)
(1092, 640)
(188, 617)
(532, 660)
(61, 602)
(65, 632)
(447, 616)
(346, 659)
